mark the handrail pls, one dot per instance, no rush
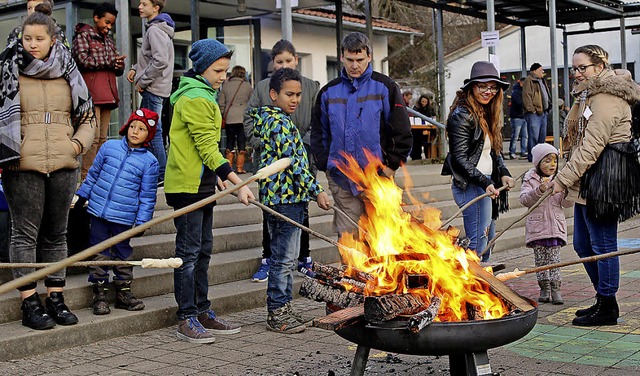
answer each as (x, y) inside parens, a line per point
(425, 118)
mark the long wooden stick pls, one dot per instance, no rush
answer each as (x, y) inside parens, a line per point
(275, 167)
(491, 242)
(146, 263)
(466, 206)
(517, 273)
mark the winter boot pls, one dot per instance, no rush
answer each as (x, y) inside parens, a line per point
(545, 291)
(100, 304)
(125, 299)
(230, 155)
(556, 298)
(240, 164)
(58, 310)
(606, 313)
(34, 315)
(588, 310)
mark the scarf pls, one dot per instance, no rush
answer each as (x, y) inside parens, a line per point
(14, 60)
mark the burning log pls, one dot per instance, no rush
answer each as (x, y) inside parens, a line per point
(340, 319)
(472, 312)
(423, 318)
(500, 289)
(386, 307)
(316, 290)
(328, 272)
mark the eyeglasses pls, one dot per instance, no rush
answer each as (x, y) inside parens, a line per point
(581, 69)
(487, 88)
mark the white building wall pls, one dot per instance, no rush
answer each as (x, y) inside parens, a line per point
(539, 51)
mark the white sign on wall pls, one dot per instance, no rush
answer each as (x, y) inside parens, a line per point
(490, 39)
(294, 3)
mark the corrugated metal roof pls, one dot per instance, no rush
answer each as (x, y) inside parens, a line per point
(377, 22)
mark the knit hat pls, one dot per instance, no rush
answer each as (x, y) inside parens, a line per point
(148, 117)
(542, 150)
(205, 52)
(484, 71)
(534, 66)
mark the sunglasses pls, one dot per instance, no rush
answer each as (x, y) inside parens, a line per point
(581, 69)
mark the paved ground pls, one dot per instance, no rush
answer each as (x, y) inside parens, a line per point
(554, 347)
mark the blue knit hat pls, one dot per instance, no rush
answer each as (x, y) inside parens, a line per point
(205, 52)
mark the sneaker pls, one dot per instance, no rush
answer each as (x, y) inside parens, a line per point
(524, 156)
(512, 156)
(191, 330)
(216, 325)
(305, 268)
(280, 320)
(299, 316)
(263, 273)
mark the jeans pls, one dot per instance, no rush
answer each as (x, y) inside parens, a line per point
(102, 230)
(154, 103)
(39, 206)
(285, 245)
(537, 125)
(304, 238)
(592, 238)
(194, 245)
(518, 128)
(478, 225)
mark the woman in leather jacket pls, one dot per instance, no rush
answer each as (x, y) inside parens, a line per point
(474, 129)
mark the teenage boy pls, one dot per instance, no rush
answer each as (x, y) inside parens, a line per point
(99, 62)
(153, 72)
(288, 193)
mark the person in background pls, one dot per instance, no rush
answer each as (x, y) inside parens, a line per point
(601, 174)
(546, 226)
(537, 103)
(121, 190)
(193, 167)
(475, 160)
(153, 72)
(283, 55)
(234, 95)
(518, 122)
(406, 97)
(360, 111)
(16, 34)
(423, 106)
(288, 193)
(99, 62)
(47, 115)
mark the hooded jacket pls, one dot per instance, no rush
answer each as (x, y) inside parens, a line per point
(121, 184)
(608, 120)
(354, 115)
(95, 56)
(194, 157)
(281, 139)
(516, 109)
(154, 69)
(242, 90)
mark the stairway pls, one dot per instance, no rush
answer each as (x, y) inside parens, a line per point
(237, 251)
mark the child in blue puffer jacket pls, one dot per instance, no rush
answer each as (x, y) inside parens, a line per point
(121, 189)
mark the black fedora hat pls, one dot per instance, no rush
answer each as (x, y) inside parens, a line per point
(484, 71)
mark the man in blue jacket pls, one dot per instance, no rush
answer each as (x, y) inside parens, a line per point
(359, 111)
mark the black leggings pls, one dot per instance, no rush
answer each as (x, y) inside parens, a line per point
(235, 133)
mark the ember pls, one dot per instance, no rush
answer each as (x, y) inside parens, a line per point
(394, 246)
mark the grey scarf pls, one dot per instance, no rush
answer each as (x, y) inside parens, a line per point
(15, 61)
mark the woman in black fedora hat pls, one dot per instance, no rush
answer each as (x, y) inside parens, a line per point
(474, 129)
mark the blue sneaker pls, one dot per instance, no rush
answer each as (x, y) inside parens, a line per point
(305, 268)
(263, 273)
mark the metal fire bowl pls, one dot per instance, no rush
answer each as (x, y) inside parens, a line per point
(442, 338)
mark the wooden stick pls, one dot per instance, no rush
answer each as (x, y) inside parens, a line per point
(491, 242)
(265, 172)
(465, 206)
(500, 289)
(341, 318)
(517, 273)
(174, 262)
(345, 215)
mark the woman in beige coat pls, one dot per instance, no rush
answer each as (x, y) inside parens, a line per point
(234, 95)
(48, 118)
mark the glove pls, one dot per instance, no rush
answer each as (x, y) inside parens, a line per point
(79, 204)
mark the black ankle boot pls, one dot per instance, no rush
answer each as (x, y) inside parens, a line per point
(34, 315)
(606, 313)
(125, 298)
(592, 309)
(58, 310)
(100, 304)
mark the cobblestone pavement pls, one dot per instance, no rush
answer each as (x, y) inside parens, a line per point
(554, 347)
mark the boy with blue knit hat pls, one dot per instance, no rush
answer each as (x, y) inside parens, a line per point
(193, 167)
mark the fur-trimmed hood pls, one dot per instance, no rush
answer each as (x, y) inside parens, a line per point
(616, 82)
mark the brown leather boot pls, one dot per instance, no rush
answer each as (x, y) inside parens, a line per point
(230, 155)
(240, 164)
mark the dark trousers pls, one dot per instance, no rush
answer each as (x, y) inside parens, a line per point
(102, 230)
(235, 134)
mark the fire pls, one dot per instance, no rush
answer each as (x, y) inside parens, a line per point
(392, 245)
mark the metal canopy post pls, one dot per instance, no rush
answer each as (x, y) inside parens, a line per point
(285, 19)
(523, 51)
(554, 75)
(441, 87)
(338, 32)
(195, 20)
(491, 23)
(369, 25)
(567, 65)
(123, 45)
(623, 43)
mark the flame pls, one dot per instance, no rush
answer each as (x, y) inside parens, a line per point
(393, 244)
